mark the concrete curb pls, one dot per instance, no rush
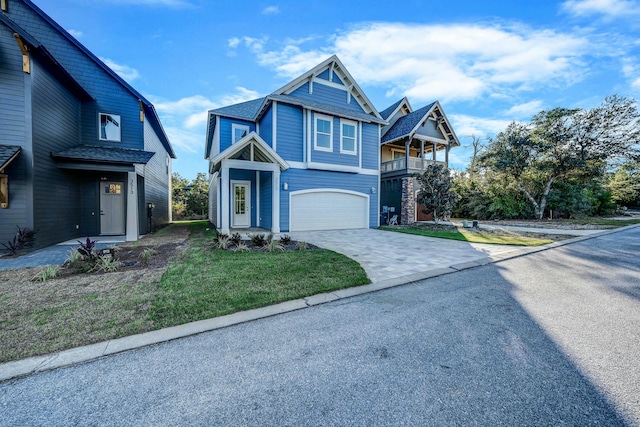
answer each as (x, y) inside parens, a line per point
(78, 355)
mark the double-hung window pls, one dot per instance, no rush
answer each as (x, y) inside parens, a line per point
(323, 133)
(348, 140)
(238, 132)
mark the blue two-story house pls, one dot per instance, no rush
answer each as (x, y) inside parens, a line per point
(306, 157)
(82, 153)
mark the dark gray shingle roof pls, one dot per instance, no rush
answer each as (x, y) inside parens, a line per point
(387, 111)
(90, 153)
(406, 124)
(244, 110)
(7, 153)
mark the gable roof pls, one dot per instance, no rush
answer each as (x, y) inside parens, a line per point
(407, 126)
(393, 109)
(41, 52)
(148, 107)
(256, 143)
(326, 108)
(336, 65)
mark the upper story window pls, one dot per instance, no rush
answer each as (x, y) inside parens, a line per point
(323, 140)
(348, 141)
(238, 132)
(110, 127)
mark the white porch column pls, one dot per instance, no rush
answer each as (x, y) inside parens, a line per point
(132, 207)
(435, 147)
(422, 154)
(275, 185)
(446, 155)
(224, 214)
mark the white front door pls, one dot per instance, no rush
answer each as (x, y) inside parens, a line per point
(241, 206)
(111, 207)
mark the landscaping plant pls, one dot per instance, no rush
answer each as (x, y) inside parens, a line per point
(24, 238)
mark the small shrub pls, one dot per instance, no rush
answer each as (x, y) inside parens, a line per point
(241, 247)
(285, 240)
(49, 272)
(146, 255)
(258, 240)
(86, 248)
(24, 238)
(272, 246)
(74, 258)
(302, 246)
(222, 241)
(236, 238)
(269, 237)
(107, 265)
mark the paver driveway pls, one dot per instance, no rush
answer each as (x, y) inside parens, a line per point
(389, 255)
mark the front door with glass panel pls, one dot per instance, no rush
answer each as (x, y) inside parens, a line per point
(111, 207)
(241, 207)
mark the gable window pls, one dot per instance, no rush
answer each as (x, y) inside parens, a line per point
(323, 140)
(110, 129)
(238, 132)
(348, 142)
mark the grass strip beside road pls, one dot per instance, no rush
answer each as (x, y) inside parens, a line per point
(201, 282)
(473, 237)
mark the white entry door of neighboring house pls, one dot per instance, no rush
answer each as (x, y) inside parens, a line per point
(112, 208)
(241, 206)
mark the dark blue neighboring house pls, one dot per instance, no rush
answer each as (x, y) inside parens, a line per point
(82, 153)
(317, 155)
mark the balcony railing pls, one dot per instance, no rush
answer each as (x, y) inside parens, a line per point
(415, 164)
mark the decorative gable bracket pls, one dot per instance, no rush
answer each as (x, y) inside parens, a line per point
(3, 5)
(26, 60)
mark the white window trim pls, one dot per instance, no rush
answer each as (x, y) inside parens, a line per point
(100, 138)
(355, 137)
(315, 132)
(235, 126)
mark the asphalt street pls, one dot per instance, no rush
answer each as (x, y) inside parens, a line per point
(551, 338)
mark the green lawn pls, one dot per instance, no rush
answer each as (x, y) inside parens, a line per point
(206, 283)
(473, 237)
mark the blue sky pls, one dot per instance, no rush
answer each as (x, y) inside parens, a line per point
(487, 62)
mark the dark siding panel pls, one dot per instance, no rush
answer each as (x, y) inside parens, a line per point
(13, 132)
(156, 178)
(266, 127)
(56, 117)
(90, 204)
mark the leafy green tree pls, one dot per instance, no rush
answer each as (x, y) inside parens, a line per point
(435, 192)
(562, 145)
(198, 196)
(624, 185)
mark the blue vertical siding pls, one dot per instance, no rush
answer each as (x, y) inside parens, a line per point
(370, 146)
(290, 135)
(327, 95)
(266, 200)
(299, 179)
(266, 127)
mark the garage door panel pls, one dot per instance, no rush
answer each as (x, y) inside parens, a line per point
(328, 210)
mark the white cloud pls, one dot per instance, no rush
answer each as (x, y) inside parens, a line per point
(525, 110)
(185, 120)
(445, 62)
(606, 8)
(75, 33)
(271, 10)
(128, 73)
(482, 127)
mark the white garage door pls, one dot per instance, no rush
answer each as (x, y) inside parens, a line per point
(328, 210)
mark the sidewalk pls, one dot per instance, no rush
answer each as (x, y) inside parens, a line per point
(32, 365)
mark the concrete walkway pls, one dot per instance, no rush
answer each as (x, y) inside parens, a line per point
(56, 254)
(437, 257)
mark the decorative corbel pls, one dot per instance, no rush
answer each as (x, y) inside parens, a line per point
(3, 5)
(4, 191)
(26, 61)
